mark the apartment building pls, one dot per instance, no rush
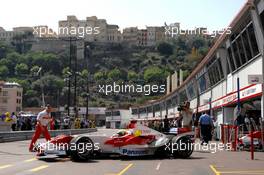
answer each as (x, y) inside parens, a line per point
(154, 35)
(91, 29)
(113, 34)
(130, 36)
(142, 37)
(10, 97)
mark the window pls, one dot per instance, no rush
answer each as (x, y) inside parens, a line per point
(236, 54)
(149, 108)
(108, 113)
(241, 50)
(169, 103)
(252, 39)
(230, 59)
(116, 113)
(175, 100)
(202, 83)
(156, 108)
(245, 41)
(18, 94)
(243, 47)
(142, 110)
(183, 96)
(134, 111)
(191, 91)
(227, 68)
(220, 68)
(262, 18)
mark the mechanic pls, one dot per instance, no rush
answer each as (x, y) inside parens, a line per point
(166, 124)
(132, 124)
(206, 126)
(43, 119)
(186, 116)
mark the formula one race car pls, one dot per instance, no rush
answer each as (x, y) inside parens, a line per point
(139, 141)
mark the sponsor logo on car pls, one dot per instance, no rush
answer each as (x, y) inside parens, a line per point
(134, 152)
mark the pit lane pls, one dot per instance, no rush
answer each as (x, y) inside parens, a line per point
(16, 160)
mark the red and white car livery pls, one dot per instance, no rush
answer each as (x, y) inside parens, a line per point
(138, 141)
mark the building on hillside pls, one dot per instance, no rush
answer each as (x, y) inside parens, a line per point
(10, 97)
(142, 37)
(154, 35)
(113, 34)
(130, 36)
(91, 29)
(7, 36)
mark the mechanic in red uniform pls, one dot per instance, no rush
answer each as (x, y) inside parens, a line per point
(43, 119)
(132, 124)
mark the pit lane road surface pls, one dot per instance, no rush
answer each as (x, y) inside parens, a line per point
(16, 160)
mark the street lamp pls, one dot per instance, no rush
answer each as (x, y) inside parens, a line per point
(87, 55)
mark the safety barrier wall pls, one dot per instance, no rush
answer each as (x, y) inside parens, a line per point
(25, 135)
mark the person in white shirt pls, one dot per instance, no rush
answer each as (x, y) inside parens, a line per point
(43, 119)
(186, 115)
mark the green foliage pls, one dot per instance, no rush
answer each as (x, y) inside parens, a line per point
(4, 71)
(155, 74)
(132, 76)
(165, 48)
(85, 73)
(50, 83)
(106, 64)
(21, 69)
(99, 76)
(114, 74)
(34, 70)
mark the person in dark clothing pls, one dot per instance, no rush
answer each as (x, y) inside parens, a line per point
(206, 126)
(166, 124)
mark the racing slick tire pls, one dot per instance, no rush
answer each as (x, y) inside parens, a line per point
(182, 147)
(81, 149)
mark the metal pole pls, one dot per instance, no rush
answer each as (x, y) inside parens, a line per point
(251, 142)
(75, 81)
(87, 98)
(69, 79)
(238, 97)
(86, 56)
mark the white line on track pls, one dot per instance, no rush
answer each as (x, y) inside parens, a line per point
(158, 166)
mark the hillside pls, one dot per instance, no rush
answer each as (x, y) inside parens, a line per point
(106, 64)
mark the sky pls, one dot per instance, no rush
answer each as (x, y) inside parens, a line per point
(213, 14)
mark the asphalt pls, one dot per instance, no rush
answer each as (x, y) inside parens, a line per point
(16, 160)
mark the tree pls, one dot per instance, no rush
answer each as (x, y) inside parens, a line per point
(4, 71)
(50, 83)
(132, 76)
(21, 69)
(99, 76)
(114, 74)
(48, 62)
(4, 49)
(198, 42)
(155, 74)
(34, 70)
(66, 72)
(85, 73)
(165, 48)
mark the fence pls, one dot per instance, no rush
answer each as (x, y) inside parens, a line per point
(25, 135)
